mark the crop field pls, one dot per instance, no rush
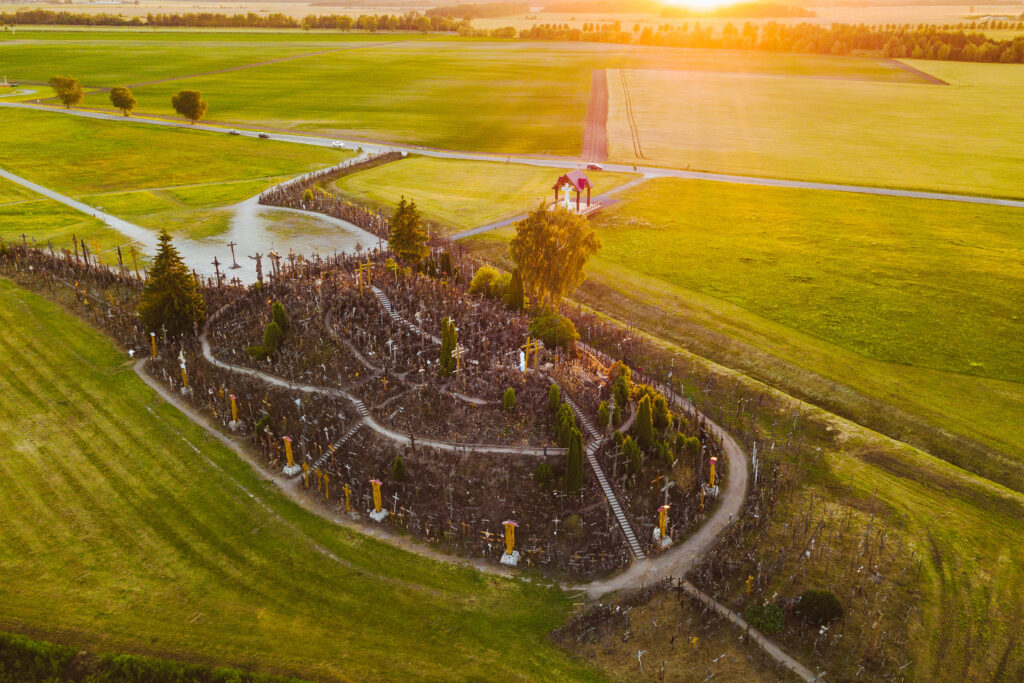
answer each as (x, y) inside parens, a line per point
(459, 195)
(833, 130)
(890, 309)
(128, 529)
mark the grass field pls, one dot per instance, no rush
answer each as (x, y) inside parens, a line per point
(459, 195)
(118, 535)
(885, 310)
(868, 133)
(156, 177)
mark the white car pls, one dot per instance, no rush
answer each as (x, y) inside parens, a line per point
(338, 144)
(234, 132)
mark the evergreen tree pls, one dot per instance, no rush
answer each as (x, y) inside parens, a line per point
(516, 295)
(449, 340)
(278, 315)
(565, 422)
(554, 398)
(644, 424)
(603, 416)
(661, 415)
(574, 463)
(633, 455)
(398, 469)
(509, 400)
(408, 236)
(170, 298)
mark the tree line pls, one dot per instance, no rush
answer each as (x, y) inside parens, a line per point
(890, 40)
(410, 21)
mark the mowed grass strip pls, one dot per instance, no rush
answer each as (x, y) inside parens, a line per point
(902, 135)
(50, 222)
(463, 194)
(119, 536)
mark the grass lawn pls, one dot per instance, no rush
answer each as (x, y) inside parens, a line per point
(965, 137)
(902, 314)
(156, 177)
(459, 195)
(119, 536)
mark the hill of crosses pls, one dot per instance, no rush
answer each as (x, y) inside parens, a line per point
(360, 399)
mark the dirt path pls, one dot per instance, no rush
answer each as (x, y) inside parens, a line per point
(595, 131)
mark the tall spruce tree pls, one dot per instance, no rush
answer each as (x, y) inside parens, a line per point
(408, 235)
(170, 298)
(574, 463)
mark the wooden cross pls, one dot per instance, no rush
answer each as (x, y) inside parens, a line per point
(347, 491)
(364, 268)
(531, 346)
(216, 269)
(234, 263)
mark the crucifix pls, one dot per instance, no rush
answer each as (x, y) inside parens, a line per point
(394, 509)
(216, 269)
(664, 489)
(258, 258)
(639, 655)
(348, 492)
(234, 263)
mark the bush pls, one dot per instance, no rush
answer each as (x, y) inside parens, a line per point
(508, 401)
(482, 280)
(665, 454)
(543, 474)
(645, 424)
(307, 196)
(272, 336)
(398, 469)
(817, 608)
(617, 438)
(23, 659)
(261, 425)
(662, 416)
(619, 380)
(766, 618)
(554, 330)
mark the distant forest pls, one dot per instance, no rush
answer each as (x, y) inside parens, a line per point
(480, 10)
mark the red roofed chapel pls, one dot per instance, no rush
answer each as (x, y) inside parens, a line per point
(573, 181)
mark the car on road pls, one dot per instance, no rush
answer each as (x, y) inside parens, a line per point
(338, 144)
(264, 135)
(234, 132)
(595, 167)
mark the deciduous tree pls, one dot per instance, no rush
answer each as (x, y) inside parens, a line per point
(123, 99)
(550, 250)
(68, 90)
(190, 104)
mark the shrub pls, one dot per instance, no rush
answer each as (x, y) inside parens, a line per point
(565, 422)
(482, 280)
(261, 425)
(446, 267)
(619, 375)
(603, 416)
(817, 607)
(272, 336)
(633, 455)
(554, 330)
(766, 617)
(617, 438)
(516, 299)
(307, 196)
(23, 659)
(543, 474)
(573, 527)
(509, 400)
(665, 454)
(398, 469)
(693, 446)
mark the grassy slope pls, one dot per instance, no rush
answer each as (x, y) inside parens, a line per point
(118, 535)
(462, 194)
(892, 315)
(899, 135)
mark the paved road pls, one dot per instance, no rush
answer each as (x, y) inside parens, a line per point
(545, 162)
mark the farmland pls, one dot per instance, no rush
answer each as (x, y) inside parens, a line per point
(133, 541)
(843, 131)
(461, 194)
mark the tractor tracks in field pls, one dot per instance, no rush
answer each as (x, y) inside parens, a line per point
(634, 131)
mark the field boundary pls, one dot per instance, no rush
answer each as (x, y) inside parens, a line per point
(934, 80)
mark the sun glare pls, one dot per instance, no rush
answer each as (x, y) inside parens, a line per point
(701, 4)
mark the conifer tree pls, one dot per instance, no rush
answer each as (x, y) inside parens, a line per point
(574, 463)
(449, 340)
(644, 424)
(170, 298)
(516, 295)
(408, 236)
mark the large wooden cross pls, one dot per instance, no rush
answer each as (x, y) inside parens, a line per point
(531, 346)
(364, 268)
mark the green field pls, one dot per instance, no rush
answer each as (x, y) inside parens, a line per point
(459, 195)
(119, 536)
(833, 130)
(156, 177)
(901, 314)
